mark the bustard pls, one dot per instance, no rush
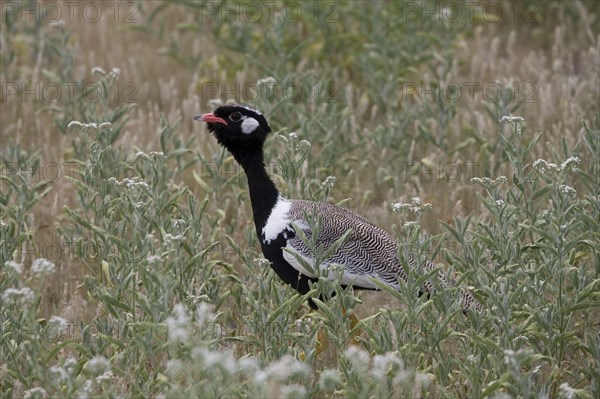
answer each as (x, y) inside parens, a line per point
(368, 252)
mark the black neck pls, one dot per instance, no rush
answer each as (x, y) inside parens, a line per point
(263, 193)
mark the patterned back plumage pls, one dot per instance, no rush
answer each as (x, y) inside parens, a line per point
(368, 250)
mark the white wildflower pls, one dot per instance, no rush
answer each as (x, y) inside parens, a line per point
(409, 225)
(248, 365)
(546, 213)
(335, 269)
(115, 72)
(262, 262)
(268, 81)
(284, 368)
(153, 259)
(106, 125)
(98, 70)
(570, 163)
(170, 238)
(563, 227)
(543, 166)
(388, 365)
(86, 389)
(204, 313)
(179, 223)
(499, 203)
(178, 325)
(158, 154)
(42, 266)
(303, 145)
(14, 266)
(91, 125)
(22, 296)
(57, 326)
(98, 365)
(330, 379)
(537, 369)
(358, 357)
(133, 182)
(174, 367)
(509, 358)
(197, 298)
(329, 182)
(59, 375)
(282, 138)
(566, 391)
(35, 393)
(400, 207)
(567, 190)
(511, 119)
(517, 121)
(488, 183)
(141, 154)
(106, 376)
(70, 365)
(422, 380)
(210, 360)
(415, 206)
(293, 391)
(293, 135)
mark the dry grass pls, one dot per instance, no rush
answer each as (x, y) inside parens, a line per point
(370, 150)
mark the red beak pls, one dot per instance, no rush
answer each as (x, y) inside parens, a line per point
(210, 118)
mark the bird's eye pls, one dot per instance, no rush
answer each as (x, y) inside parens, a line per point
(235, 117)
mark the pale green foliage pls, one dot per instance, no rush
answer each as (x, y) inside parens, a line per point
(164, 292)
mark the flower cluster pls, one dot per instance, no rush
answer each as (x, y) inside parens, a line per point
(488, 183)
(114, 73)
(42, 266)
(14, 266)
(150, 156)
(57, 326)
(385, 367)
(415, 206)
(567, 191)
(329, 182)
(545, 167)
(262, 262)
(292, 137)
(91, 125)
(516, 121)
(130, 183)
(23, 295)
(180, 325)
(268, 82)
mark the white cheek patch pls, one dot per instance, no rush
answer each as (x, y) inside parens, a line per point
(249, 125)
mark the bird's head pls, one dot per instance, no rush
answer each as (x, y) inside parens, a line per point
(237, 126)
